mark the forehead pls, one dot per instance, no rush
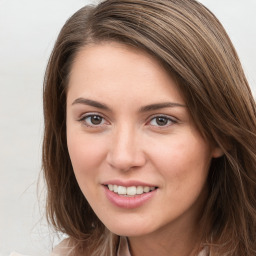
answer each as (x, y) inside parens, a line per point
(101, 55)
(107, 69)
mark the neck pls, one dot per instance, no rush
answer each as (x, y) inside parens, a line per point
(182, 240)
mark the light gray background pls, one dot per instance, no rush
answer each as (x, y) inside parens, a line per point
(28, 29)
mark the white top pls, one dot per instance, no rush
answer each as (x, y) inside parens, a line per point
(123, 249)
(63, 249)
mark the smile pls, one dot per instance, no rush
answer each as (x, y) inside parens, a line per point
(129, 197)
(130, 191)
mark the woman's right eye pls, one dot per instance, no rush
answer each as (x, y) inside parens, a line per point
(93, 120)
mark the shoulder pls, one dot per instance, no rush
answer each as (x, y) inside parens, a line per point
(64, 248)
(67, 248)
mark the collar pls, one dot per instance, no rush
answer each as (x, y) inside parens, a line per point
(123, 248)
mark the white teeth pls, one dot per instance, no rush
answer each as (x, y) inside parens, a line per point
(130, 191)
(139, 190)
(146, 189)
(121, 190)
(111, 187)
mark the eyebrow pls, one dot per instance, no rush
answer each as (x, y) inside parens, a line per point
(157, 106)
(92, 103)
(146, 108)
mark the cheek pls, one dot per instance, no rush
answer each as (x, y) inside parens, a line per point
(86, 154)
(184, 168)
(182, 161)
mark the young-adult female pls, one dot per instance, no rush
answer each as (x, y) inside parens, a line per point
(149, 144)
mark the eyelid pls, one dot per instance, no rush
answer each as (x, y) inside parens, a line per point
(89, 114)
(170, 118)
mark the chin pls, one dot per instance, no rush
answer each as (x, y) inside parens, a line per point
(129, 230)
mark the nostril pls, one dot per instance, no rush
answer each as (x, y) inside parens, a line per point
(125, 161)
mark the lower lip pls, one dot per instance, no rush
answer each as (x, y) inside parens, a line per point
(128, 202)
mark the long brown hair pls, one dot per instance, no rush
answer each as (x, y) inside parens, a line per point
(195, 49)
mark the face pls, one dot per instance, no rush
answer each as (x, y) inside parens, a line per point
(137, 156)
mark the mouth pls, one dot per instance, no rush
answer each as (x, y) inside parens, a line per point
(129, 191)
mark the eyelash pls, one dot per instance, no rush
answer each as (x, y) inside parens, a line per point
(168, 119)
(83, 120)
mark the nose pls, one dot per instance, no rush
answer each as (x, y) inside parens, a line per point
(126, 150)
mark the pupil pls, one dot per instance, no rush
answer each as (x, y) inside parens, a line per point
(161, 121)
(96, 120)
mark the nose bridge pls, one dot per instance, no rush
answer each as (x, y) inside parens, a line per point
(125, 149)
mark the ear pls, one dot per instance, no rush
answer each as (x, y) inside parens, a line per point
(217, 152)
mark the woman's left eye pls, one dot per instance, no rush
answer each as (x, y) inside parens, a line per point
(93, 120)
(161, 121)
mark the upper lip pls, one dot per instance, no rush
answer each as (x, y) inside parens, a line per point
(128, 183)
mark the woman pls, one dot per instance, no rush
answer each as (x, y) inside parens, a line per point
(149, 144)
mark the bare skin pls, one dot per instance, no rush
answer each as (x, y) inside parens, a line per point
(128, 124)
